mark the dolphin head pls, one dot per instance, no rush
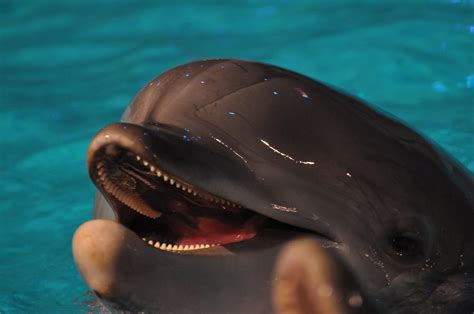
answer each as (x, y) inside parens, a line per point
(212, 154)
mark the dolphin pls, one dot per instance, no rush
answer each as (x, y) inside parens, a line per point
(218, 165)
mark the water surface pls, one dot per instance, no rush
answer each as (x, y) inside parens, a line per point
(70, 67)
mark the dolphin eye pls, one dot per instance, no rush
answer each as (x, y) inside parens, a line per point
(406, 245)
(408, 241)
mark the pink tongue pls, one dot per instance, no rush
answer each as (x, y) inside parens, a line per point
(213, 231)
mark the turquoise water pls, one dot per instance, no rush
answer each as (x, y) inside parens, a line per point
(70, 67)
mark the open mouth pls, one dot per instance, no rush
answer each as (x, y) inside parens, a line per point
(167, 212)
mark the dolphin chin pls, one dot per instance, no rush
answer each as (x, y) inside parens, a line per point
(127, 274)
(218, 166)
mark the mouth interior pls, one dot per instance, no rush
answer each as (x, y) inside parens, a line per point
(167, 212)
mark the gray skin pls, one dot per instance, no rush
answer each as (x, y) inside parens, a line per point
(395, 209)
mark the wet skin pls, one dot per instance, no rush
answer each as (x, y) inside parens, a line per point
(258, 156)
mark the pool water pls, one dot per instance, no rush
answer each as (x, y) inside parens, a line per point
(68, 68)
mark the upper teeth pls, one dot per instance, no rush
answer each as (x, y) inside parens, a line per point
(184, 186)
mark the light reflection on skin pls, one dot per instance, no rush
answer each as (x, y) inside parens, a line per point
(228, 147)
(284, 208)
(301, 92)
(312, 163)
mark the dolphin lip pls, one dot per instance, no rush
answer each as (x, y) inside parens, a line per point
(167, 212)
(120, 268)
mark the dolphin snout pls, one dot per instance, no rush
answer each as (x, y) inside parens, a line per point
(97, 248)
(128, 274)
(120, 136)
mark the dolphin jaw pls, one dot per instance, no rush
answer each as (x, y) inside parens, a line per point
(124, 177)
(135, 170)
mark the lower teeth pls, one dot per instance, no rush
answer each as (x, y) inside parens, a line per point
(170, 247)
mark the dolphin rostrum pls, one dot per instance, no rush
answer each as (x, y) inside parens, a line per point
(218, 164)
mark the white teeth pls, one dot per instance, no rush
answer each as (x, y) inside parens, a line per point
(135, 203)
(172, 181)
(177, 248)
